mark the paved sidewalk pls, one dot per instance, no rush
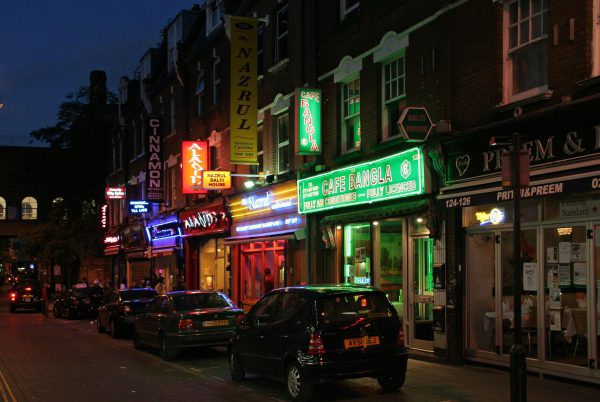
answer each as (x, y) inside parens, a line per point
(443, 383)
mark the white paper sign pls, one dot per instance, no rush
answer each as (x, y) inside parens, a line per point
(564, 252)
(579, 273)
(530, 277)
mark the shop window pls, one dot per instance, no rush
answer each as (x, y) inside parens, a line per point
(499, 213)
(29, 209)
(393, 96)
(357, 254)
(571, 208)
(389, 279)
(526, 66)
(350, 132)
(2, 208)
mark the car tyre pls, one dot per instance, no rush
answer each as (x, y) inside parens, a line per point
(235, 367)
(115, 329)
(299, 388)
(167, 352)
(137, 342)
(392, 381)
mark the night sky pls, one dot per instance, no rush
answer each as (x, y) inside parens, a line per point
(48, 48)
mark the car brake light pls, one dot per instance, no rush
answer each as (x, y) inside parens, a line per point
(315, 344)
(28, 289)
(400, 339)
(127, 309)
(13, 296)
(185, 324)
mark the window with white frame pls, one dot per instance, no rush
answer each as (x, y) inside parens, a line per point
(2, 208)
(350, 116)
(145, 70)
(283, 143)
(216, 81)
(394, 81)
(347, 7)
(174, 35)
(527, 61)
(200, 86)
(214, 12)
(29, 208)
(281, 45)
(256, 169)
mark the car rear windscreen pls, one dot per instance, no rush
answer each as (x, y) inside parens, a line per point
(347, 307)
(197, 301)
(81, 292)
(138, 294)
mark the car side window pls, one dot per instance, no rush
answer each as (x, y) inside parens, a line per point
(155, 306)
(164, 305)
(291, 303)
(268, 309)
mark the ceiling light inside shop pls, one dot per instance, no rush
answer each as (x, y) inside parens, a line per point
(338, 227)
(375, 223)
(564, 231)
(420, 220)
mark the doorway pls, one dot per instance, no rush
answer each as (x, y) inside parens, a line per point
(421, 305)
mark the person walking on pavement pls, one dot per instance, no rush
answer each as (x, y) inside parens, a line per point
(160, 287)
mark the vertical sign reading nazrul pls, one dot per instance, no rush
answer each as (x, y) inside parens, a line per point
(154, 160)
(244, 97)
(308, 121)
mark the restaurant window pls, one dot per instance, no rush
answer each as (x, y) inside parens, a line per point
(2, 208)
(283, 143)
(29, 208)
(394, 95)
(489, 215)
(281, 46)
(357, 254)
(256, 259)
(389, 279)
(213, 15)
(527, 53)
(351, 138)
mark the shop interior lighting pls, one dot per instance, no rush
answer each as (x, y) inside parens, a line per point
(338, 227)
(419, 220)
(375, 223)
(564, 231)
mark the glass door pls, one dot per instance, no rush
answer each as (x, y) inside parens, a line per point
(422, 294)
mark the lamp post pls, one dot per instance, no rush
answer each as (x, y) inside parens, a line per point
(518, 364)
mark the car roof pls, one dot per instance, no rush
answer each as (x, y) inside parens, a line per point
(191, 292)
(330, 289)
(134, 290)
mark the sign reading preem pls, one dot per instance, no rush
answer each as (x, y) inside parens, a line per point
(395, 176)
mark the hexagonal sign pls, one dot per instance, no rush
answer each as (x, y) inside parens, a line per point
(415, 124)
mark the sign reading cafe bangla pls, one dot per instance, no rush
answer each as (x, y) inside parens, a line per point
(395, 176)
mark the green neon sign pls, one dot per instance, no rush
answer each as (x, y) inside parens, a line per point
(308, 121)
(395, 176)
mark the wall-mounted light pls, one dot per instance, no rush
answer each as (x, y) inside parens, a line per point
(375, 223)
(249, 184)
(338, 227)
(420, 220)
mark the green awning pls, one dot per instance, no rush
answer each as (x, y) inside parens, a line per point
(387, 210)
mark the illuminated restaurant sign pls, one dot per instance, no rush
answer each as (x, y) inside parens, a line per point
(137, 207)
(194, 156)
(308, 121)
(163, 230)
(115, 193)
(204, 221)
(396, 176)
(216, 180)
(495, 217)
(104, 216)
(243, 136)
(281, 198)
(154, 160)
(111, 240)
(287, 222)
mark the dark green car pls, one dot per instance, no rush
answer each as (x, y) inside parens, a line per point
(186, 319)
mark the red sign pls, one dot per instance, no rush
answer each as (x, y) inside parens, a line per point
(104, 216)
(194, 156)
(115, 193)
(204, 221)
(415, 124)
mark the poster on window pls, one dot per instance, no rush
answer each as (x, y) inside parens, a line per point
(552, 255)
(578, 251)
(555, 324)
(564, 252)
(530, 281)
(552, 284)
(564, 275)
(579, 273)
(360, 254)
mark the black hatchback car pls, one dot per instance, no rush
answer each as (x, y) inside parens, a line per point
(73, 303)
(25, 294)
(313, 334)
(118, 309)
(186, 319)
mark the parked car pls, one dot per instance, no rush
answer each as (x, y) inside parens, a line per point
(25, 294)
(118, 309)
(186, 319)
(73, 303)
(313, 334)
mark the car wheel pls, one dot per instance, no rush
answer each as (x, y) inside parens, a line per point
(115, 329)
(392, 381)
(12, 309)
(167, 352)
(235, 367)
(137, 342)
(299, 387)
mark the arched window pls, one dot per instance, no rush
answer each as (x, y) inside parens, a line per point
(29, 208)
(2, 208)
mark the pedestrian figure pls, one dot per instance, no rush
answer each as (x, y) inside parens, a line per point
(269, 280)
(160, 287)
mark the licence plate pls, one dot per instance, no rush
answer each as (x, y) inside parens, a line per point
(361, 342)
(27, 299)
(86, 301)
(215, 323)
